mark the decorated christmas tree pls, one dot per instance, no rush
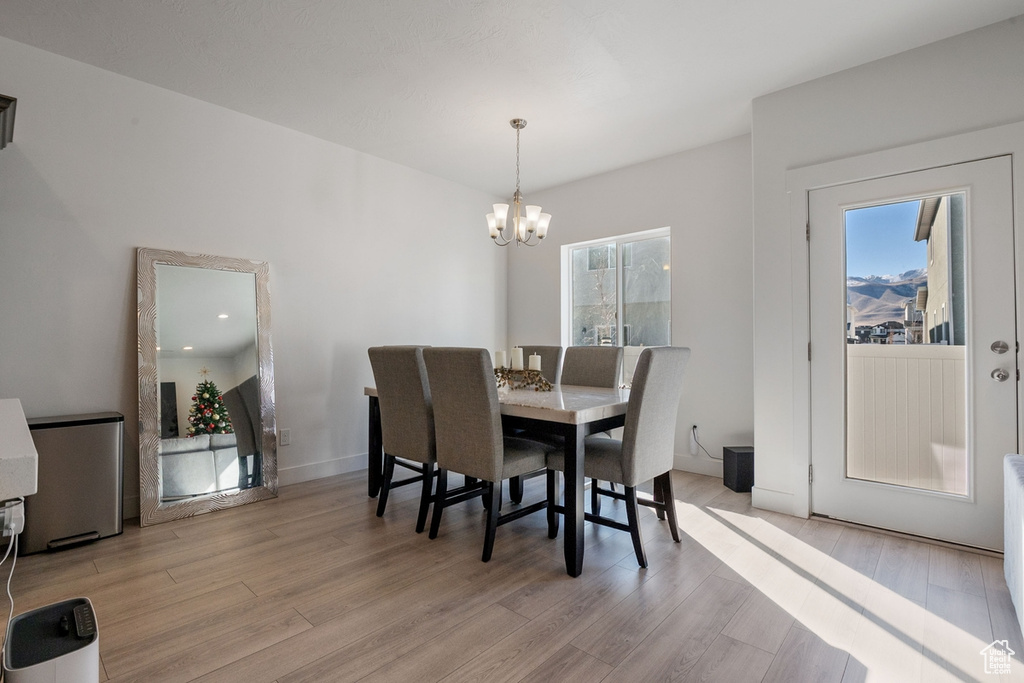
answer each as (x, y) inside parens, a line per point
(208, 414)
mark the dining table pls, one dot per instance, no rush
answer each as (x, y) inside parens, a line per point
(571, 412)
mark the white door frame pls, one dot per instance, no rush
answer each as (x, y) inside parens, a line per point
(998, 141)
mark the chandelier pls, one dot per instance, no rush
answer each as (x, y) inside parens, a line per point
(527, 222)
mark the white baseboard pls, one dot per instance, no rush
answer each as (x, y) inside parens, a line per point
(319, 470)
(776, 501)
(698, 464)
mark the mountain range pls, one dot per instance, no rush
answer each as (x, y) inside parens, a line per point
(879, 298)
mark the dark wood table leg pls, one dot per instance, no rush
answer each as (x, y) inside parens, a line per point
(574, 500)
(375, 451)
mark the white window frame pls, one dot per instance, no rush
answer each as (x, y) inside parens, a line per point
(566, 279)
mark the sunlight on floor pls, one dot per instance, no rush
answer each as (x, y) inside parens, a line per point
(892, 638)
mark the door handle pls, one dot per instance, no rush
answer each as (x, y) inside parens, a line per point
(1000, 375)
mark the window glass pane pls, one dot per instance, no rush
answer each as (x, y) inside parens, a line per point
(647, 292)
(594, 303)
(906, 391)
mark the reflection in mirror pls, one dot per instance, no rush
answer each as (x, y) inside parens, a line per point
(206, 410)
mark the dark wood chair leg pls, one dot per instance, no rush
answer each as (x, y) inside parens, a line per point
(515, 489)
(633, 518)
(668, 495)
(659, 497)
(494, 493)
(552, 482)
(439, 493)
(425, 493)
(595, 498)
(385, 484)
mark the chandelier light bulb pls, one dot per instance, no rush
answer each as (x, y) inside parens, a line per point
(500, 216)
(542, 225)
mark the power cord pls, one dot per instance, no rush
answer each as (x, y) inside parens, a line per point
(13, 543)
(693, 435)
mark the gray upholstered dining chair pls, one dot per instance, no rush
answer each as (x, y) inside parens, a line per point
(592, 366)
(467, 423)
(647, 446)
(550, 360)
(406, 420)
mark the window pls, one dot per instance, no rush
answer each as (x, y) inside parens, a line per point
(619, 293)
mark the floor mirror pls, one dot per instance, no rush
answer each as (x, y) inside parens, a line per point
(207, 432)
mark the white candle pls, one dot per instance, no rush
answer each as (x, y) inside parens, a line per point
(535, 362)
(499, 358)
(517, 358)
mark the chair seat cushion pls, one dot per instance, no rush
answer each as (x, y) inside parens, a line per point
(602, 460)
(522, 456)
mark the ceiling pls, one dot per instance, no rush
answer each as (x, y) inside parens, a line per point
(432, 85)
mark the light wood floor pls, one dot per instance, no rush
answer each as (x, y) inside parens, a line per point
(313, 586)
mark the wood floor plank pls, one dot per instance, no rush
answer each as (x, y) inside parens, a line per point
(313, 585)
(672, 649)
(217, 650)
(123, 633)
(612, 637)
(858, 549)
(730, 661)
(568, 665)
(957, 570)
(903, 566)
(820, 535)
(1002, 615)
(305, 649)
(517, 655)
(438, 657)
(761, 623)
(806, 657)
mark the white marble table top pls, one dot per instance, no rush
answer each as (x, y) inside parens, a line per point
(565, 403)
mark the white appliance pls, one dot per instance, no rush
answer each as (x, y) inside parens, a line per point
(59, 643)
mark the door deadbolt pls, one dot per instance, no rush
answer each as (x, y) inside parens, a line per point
(1000, 347)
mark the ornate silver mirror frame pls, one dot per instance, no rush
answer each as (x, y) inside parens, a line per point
(154, 508)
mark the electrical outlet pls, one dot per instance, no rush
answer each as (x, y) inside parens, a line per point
(12, 518)
(284, 437)
(693, 440)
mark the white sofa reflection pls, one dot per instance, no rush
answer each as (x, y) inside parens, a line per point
(214, 463)
(201, 465)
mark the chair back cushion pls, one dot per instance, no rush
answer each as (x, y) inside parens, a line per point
(648, 439)
(467, 418)
(592, 366)
(406, 414)
(550, 361)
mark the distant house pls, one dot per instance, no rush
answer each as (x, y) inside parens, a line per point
(913, 323)
(940, 222)
(886, 332)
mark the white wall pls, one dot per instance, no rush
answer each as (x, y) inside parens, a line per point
(361, 251)
(704, 196)
(965, 83)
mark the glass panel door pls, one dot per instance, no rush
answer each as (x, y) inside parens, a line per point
(906, 344)
(913, 350)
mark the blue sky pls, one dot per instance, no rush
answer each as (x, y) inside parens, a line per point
(880, 240)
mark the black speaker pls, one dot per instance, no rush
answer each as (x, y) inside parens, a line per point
(738, 468)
